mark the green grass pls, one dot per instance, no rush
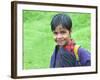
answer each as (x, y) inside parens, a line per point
(38, 43)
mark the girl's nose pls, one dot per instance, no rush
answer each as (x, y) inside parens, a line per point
(59, 36)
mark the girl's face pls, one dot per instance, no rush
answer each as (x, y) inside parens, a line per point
(61, 35)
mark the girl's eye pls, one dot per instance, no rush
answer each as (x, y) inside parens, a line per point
(55, 33)
(62, 32)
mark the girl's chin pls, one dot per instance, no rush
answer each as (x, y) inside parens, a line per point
(61, 44)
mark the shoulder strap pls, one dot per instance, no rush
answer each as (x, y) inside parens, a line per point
(76, 47)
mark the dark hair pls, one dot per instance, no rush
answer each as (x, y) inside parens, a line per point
(61, 19)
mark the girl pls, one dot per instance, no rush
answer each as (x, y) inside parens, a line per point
(64, 55)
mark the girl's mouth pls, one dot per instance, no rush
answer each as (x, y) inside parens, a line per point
(60, 42)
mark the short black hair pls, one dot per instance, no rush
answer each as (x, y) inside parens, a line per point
(61, 19)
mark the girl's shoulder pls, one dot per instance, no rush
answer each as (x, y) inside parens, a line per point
(83, 51)
(84, 56)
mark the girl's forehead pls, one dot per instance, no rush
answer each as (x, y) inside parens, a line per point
(60, 28)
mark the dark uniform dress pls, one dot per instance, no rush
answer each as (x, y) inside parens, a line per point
(64, 58)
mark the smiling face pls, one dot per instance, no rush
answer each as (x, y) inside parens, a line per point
(61, 35)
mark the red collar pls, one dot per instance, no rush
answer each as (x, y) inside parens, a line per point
(70, 45)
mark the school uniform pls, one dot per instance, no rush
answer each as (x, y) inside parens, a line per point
(62, 57)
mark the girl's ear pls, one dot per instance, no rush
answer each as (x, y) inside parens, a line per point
(70, 33)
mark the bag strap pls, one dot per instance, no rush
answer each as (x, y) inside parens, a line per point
(76, 47)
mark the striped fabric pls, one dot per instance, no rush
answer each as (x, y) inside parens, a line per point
(64, 58)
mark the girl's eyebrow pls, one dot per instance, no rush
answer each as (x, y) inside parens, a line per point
(59, 31)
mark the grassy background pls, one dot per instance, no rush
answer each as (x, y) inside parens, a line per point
(38, 43)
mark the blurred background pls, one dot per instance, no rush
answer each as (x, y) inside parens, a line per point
(38, 43)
